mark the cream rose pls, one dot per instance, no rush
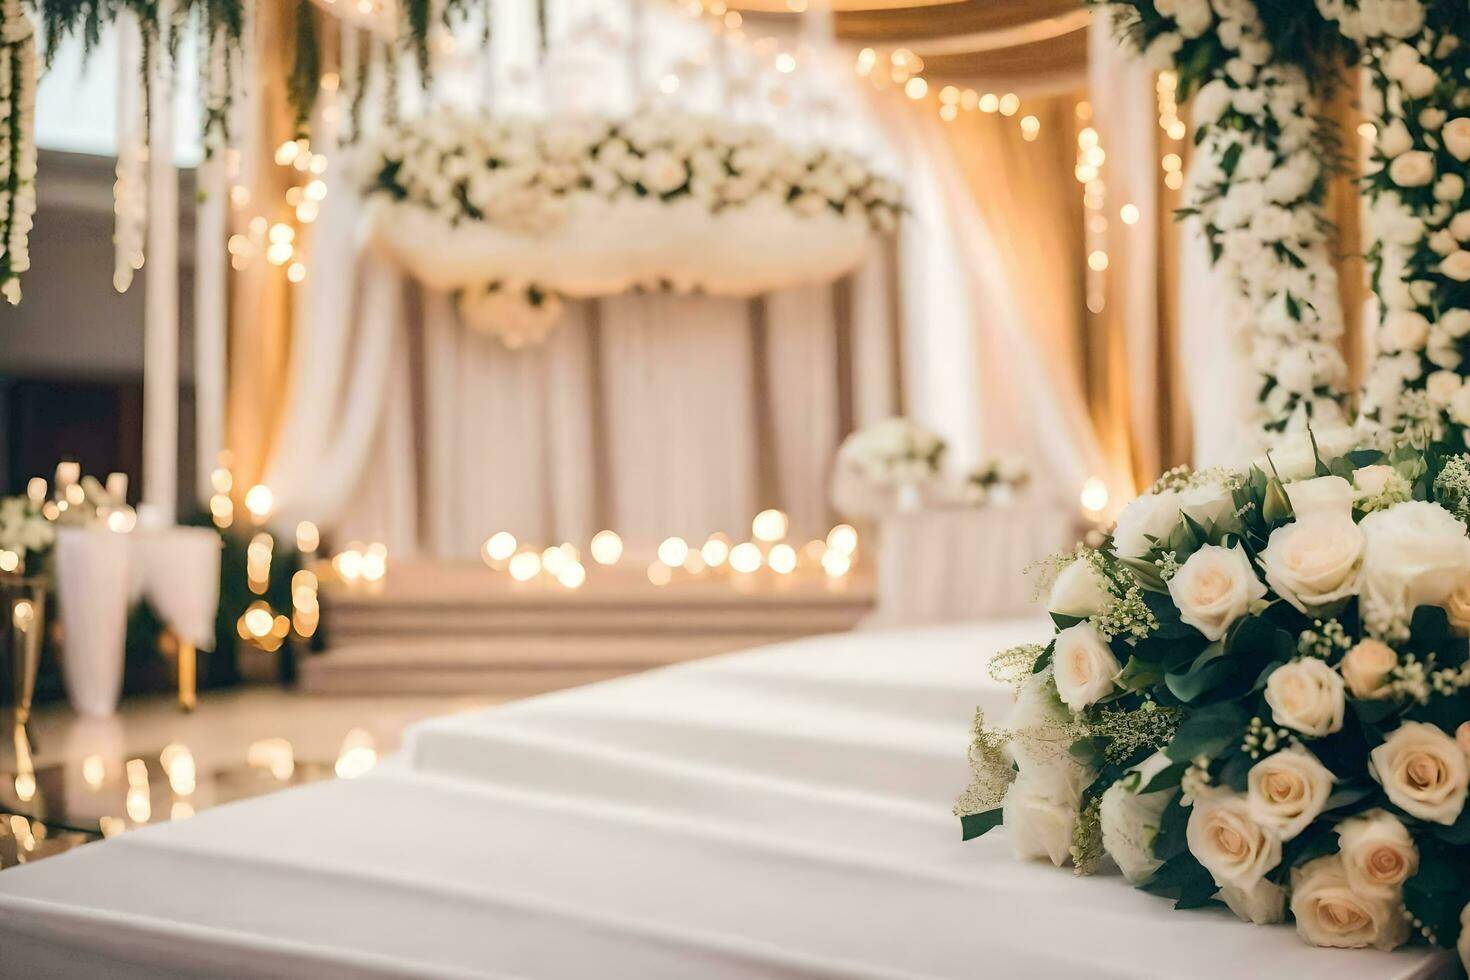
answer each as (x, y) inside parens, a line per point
(1315, 560)
(1039, 815)
(1423, 771)
(1415, 554)
(1079, 591)
(1307, 696)
(1330, 913)
(1456, 135)
(1288, 790)
(1462, 738)
(1412, 169)
(1262, 905)
(1456, 265)
(1457, 606)
(1235, 849)
(1084, 667)
(1153, 515)
(1214, 587)
(1329, 495)
(1378, 855)
(1367, 669)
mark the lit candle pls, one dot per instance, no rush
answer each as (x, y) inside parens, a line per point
(117, 487)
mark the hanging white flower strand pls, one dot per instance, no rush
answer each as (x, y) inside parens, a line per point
(1258, 189)
(17, 145)
(1416, 60)
(130, 189)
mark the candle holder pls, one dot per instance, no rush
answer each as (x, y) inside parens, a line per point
(22, 629)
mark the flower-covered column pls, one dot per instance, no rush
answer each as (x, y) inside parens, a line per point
(1258, 187)
(17, 145)
(1416, 60)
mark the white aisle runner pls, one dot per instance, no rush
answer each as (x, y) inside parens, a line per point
(778, 813)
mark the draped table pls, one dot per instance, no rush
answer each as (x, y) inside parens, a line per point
(949, 563)
(101, 573)
(781, 812)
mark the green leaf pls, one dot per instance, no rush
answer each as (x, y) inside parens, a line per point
(1065, 622)
(1140, 674)
(1207, 670)
(1166, 778)
(1207, 731)
(978, 824)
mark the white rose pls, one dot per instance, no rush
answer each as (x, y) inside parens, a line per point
(1404, 330)
(1420, 81)
(1367, 668)
(1263, 905)
(1457, 606)
(1423, 771)
(1159, 55)
(1079, 591)
(1330, 496)
(1037, 714)
(1456, 265)
(1039, 815)
(663, 173)
(1394, 139)
(1460, 226)
(1084, 667)
(1307, 696)
(1211, 101)
(1130, 820)
(1294, 458)
(1378, 855)
(1441, 386)
(1235, 849)
(1194, 17)
(1153, 515)
(1460, 406)
(1400, 60)
(1400, 18)
(1449, 188)
(1432, 119)
(1330, 913)
(1315, 560)
(1214, 587)
(1288, 790)
(1456, 136)
(1415, 553)
(1412, 169)
(1208, 503)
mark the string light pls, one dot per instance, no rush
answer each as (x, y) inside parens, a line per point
(606, 547)
(1088, 171)
(770, 525)
(672, 551)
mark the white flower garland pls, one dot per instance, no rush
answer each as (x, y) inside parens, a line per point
(517, 314)
(1420, 217)
(522, 175)
(1258, 188)
(130, 189)
(17, 145)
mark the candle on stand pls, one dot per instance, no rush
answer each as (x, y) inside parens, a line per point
(117, 487)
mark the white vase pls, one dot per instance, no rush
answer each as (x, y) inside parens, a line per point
(908, 497)
(92, 596)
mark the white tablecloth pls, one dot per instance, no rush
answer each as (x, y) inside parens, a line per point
(778, 813)
(100, 573)
(948, 564)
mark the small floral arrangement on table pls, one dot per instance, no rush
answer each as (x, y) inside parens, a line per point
(26, 535)
(1258, 692)
(892, 453)
(996, 478)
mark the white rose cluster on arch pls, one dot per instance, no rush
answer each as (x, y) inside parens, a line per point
(1258, 693)
(1420, 215)
(17, 145)
(1257, 186)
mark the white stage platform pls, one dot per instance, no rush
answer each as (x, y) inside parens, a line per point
(459, 628)
(778, 813)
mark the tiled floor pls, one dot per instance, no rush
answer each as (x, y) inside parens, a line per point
(71, 779)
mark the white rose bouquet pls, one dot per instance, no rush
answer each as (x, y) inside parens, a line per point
(889, 455)
(1259, 693)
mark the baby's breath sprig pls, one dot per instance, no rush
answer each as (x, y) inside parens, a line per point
(1168, 564)
(1149, 726)
(1263, 739)
(1410, 679)
(1045, 570)
(1452, 486)
(1195, 781)
(1126, 615)
(1087, 840)
(991, 772)
(1013, 665)
(1323, 640)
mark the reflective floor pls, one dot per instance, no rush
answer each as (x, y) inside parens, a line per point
(67, 780)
